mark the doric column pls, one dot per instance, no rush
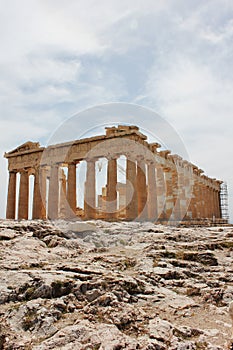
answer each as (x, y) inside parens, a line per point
(169, 205)
(71, 190)
(215, 204)
(111, 198)
(23, 195)
(195, 199)
(219, 204)
(39, 194)
(187, 190)
(191, 191)
(176, 195)
(63, 195)
(216, 201)
(211, 202)
(199, 200)
(152, 205)
(161, 192)
(141, 189)
(131, 190)
(11, 197)
(53, 200)
(182, 194)
(205, 199)
(90, 192)
(208, 202)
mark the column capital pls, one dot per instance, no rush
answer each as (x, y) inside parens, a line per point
(164, 154)
(140, 157)
(112, 156)
(23, 171)
(150, 162)
(91, 160)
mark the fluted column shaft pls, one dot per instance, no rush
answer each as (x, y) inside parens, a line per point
(191, 195)
(206, 200)
(212, 202)
(201, 200)
(219, 205)
(161, 192)
(182, 194)
(11, 197)
(131, 190)
(53, 200)
(169, 194)
(209, 200)
(71, 190)
(23, 195)
(111, 189)
(152, 193)
(216, 204)
(176, 195)
(90, 192)
(63, 195)
(141, 189)
(196, 200)
(39, 194)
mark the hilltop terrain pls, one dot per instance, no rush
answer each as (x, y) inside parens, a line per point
(100, 285)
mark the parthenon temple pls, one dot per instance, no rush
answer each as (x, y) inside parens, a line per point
(156, 185)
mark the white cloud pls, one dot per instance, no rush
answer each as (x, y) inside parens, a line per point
(58, 57)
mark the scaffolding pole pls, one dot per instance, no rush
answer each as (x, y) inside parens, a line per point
(224, 201)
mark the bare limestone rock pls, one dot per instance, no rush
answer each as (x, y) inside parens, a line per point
(120, 285)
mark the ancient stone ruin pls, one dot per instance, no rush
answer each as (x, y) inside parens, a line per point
(158, 186)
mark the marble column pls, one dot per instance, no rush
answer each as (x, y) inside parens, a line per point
(152, 193)
(161, 192)
(191, 195)
(111, 198)
(194, 200)
(141, 189)
(90, 191)
(182, 194)
(209, 210)
(212, 202)
(169, 205)
(131, 190)
(71, 190)
(217, 201)
(63, 195)
(215, 206)
(176, 195)
(23, 195)
(219, 205)
(39, 194)
(11, 197)
(205, 200)
(53, 200)
(199, 201)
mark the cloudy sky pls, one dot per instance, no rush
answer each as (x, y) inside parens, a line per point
(175, 57)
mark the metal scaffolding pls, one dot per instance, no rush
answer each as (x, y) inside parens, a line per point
(224, 201)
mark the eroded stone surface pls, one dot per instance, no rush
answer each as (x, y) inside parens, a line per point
(118, 286)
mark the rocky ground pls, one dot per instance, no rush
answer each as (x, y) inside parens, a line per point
(108, 286)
